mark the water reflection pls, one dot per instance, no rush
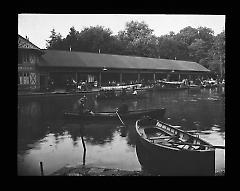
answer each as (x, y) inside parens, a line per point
(44, 135)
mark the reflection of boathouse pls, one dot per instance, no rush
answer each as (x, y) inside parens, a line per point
(36, 66)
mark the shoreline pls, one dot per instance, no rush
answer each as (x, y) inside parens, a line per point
(86, 170)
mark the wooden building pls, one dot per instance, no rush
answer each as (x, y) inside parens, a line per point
(36, 67)
(62, 65)
(28, 60)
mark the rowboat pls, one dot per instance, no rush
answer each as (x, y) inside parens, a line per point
(194, 88)
(162, 85)
(119, 97)
(174, 150)
(130, 115)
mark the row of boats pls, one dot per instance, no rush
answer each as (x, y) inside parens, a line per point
(181, 152)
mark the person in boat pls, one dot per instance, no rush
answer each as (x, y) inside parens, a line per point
(82, 106)
(123, 108)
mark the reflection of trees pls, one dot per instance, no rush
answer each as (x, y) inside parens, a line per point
(99, 133)
(76, 132)
(30, 124)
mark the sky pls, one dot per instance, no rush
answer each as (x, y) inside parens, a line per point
(37, 27)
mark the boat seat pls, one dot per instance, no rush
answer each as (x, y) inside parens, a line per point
(161, 137)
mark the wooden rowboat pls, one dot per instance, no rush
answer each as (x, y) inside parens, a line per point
(121, 97)
(130, 115)
(177, 152)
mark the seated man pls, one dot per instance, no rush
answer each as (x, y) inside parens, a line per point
(81, 106)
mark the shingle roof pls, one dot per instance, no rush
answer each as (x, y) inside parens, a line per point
(58, 58)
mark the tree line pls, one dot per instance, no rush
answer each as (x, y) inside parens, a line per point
(137, 39)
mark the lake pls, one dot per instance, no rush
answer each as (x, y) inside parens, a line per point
(44, 136)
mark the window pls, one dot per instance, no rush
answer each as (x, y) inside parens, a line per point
(20, 78)
(26, 78)
(32, 78)
(32, 58)
(19, 59)
(25, 57)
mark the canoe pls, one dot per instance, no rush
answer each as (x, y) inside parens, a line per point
(119, 97)
(131, 115)
(176, 151)
(170, 88)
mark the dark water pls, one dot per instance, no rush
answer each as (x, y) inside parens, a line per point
(44, 136)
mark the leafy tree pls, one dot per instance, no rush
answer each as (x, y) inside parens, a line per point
(55, 41)
(198, 50)
(187, 35)
(136, 37)
(72, 39)
(169, 48)
(94, 38)
(217, 54)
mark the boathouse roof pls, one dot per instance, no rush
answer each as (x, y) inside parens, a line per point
(59, 58)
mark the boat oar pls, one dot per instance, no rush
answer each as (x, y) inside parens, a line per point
(120, 119)
(218, 147)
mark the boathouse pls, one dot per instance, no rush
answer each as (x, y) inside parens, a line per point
(36, 67)
(105, 68)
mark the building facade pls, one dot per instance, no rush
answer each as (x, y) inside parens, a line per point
(36, 68)
(28, 60)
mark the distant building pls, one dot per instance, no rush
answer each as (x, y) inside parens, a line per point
(36, 67)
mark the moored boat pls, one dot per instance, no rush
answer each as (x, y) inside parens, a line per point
(178, 152)
(119, 97)
(194, 87)
(130, 115)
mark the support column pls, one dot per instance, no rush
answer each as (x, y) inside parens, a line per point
(76, 79)
(138, 77)
(120, 77)
(179, 77)
(100, 79)
(154, 77)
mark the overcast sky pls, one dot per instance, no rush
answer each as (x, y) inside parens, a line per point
(38, 26)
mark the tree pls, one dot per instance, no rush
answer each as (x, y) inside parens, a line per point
(169, 48)
(217, 54)
(55, 41)
(96, 38)
(72, 39)
(187, 35)
(198, 50)
(137, 38)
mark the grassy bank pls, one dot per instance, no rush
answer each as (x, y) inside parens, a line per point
(82, 170)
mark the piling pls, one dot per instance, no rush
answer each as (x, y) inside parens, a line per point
(41, 167)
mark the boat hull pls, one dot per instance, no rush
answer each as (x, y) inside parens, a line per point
(126, 97)
(131, 115)
(172, 162)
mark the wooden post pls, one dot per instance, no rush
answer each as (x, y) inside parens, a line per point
(76, 80)
(154, 77)
(120, 77)
(41, 167)
(82, 129)
(100, 79)
(138, 77)
(179, 77)
(84, 150)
